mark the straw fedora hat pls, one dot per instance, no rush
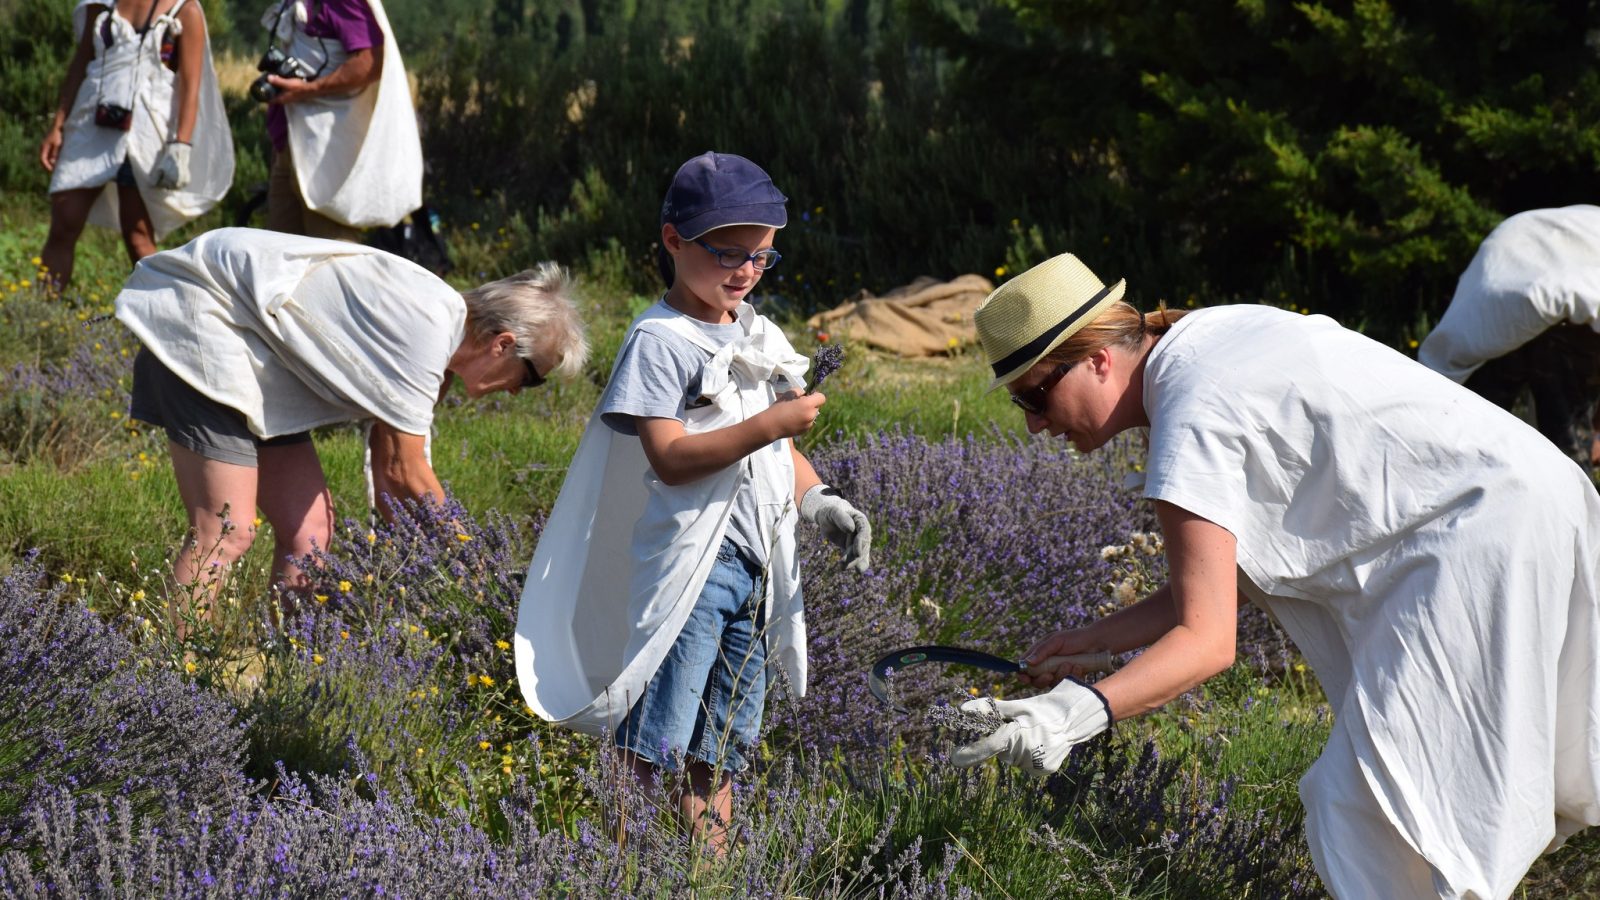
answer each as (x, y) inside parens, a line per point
(1031, 314)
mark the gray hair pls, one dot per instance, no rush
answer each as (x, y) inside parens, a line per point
(536, 307)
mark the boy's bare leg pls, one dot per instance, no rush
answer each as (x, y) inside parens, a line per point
(707, 805)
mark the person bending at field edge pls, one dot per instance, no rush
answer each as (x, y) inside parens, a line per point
(253, 338)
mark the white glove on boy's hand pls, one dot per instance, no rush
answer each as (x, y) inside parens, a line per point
(172, 166)
(1040, 729)
(842, 524)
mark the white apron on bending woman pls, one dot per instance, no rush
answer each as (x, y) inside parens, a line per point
(357, 158)
(595, 624)
(127, 72)
(1536, 270)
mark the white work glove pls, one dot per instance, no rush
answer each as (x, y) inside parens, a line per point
(172, 166)
(842, 524)
(1039, 730)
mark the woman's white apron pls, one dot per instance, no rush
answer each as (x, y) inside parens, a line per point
(1433, 557)
(624, 556)
(1535, 270)
(296, 332)
(128, 72)
(357, 157)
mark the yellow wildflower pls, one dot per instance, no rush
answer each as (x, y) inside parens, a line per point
(137, 596)
(317, 658)
(344, 586)
(484, 745)
(999, 271)
(190, 667)
(486, 681)
(502, 645)
(463, 538)
(320, 598)
(344, 635)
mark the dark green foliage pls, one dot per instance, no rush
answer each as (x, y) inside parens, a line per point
(1352, 153)
(35, 47)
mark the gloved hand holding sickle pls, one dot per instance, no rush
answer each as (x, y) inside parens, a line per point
(1037, 732)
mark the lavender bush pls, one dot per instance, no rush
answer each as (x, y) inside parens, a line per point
(81, 710)
(70, 410)
(987, 542)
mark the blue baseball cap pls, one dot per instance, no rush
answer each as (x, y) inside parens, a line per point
(715, 190)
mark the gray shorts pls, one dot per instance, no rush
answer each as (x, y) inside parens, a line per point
(194, 421)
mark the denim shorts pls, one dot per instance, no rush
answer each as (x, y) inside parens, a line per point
(704, 703)
(193, 420)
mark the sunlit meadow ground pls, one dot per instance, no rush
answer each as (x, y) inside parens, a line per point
(378, 741)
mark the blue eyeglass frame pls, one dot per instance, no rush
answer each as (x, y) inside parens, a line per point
(733, 253)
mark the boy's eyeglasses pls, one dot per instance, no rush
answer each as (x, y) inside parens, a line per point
(1032, 399)
(733, 258)
(533, 379)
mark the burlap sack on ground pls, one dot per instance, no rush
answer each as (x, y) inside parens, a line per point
(924, 318)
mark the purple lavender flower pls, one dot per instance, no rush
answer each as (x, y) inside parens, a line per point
(829, 358)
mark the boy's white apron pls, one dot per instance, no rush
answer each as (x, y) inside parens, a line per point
(128, 72)
(357, 157)
(624, 557)
(1535, 270)
(1435, 560)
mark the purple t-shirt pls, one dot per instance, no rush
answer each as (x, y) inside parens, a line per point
(352, 23)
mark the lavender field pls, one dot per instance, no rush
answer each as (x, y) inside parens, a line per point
(375, 742)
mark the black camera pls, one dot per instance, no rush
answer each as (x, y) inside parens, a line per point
(276, 62)
(109, 115)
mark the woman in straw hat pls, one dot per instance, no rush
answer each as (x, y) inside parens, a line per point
(1433, 557)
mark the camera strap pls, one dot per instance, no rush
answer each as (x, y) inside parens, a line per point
(108, 37)
(273, 38)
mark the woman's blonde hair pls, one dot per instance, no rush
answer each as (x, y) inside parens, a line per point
(1120, 325)
(537, 308)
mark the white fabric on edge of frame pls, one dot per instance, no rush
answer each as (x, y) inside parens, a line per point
(623, 557)
(1535, 270)
(1433, 557)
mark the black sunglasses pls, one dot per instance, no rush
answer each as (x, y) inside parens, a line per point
(533, 379)
(1032, 399)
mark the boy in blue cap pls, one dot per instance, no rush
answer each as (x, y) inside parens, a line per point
(705, 398)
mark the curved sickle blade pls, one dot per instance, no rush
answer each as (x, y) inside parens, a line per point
(899, 660)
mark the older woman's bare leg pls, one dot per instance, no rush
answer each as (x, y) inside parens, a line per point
(220, 499)
(295, 499)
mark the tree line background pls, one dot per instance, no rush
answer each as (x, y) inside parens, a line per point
(1346, 157)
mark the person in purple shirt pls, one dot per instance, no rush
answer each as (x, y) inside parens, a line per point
(346, 154)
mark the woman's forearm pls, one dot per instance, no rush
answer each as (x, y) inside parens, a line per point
(1179, 660)
(1136, 626)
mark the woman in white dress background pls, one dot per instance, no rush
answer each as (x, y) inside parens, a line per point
(140, 141)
